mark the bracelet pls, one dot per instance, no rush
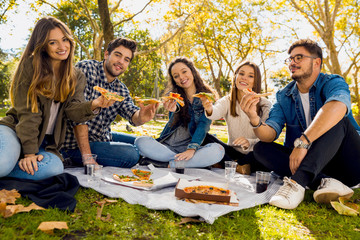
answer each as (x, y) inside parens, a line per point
(307, 139)
(260, 123)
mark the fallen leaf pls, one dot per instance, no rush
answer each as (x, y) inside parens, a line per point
(48, 227)
(349, 203)
(13, 209)
(356, 229)
(99, 211)
(7, 196)
(107, 219)
(101, 204)
(187, 220)
(343, 210)
(2, 207)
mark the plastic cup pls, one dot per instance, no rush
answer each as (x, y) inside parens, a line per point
(262, 181)
(180, 166)
(89, 159)
(230, 169)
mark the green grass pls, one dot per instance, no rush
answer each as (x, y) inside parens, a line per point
(308, 221)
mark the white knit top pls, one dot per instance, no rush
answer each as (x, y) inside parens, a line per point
(238, 126)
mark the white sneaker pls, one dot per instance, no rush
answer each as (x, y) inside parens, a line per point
(331, 189)
(289, 196)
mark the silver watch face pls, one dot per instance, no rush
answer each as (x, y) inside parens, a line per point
(298, 143)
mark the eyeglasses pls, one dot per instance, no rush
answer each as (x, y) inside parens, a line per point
(297, 58)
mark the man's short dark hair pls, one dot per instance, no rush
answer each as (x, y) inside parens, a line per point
(128, 43)
(311, 46)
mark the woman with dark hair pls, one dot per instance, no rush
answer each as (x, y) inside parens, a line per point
(241, 135)
(45, 91)
(183, 135)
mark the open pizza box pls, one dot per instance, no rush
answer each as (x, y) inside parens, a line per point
(183, 183)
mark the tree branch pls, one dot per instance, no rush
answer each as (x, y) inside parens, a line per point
(166, 41)
(130, 18)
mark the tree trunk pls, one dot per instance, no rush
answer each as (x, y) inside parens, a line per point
(108, 28)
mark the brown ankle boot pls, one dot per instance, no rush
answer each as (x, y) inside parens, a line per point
(243, 169)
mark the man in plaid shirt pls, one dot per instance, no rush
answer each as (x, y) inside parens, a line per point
(95, 136)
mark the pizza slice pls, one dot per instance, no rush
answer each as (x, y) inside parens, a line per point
(175, 96)
(248, 90)
(143, 175)
(208, 190)
(144, 183)
(109, 95)
(135, 180)
(146, 101)
(125, 178)
(209, 96)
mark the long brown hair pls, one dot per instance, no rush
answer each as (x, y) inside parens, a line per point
(234, 91)
(201, 86)
(43, 82)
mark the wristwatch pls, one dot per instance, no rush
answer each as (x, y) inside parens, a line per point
(298, 143)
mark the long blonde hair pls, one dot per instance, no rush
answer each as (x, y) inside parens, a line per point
(43, 82)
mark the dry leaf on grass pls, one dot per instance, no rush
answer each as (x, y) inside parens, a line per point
(48, 227)
(13, 209)
(101, 204)
(107, 218)
(7, 196)
(187, 220)
(343, 209)
(349, 203)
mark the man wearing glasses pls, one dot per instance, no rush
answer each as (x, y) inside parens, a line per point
(321, 133)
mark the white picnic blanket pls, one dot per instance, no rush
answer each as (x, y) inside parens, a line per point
(164, 198)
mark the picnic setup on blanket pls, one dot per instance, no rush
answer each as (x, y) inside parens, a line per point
(202, 193)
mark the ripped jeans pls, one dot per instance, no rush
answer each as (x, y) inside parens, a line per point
(10, 148)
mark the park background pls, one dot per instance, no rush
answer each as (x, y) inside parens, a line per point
(216, 35)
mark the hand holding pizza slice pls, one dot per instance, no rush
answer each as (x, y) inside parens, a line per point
(209, 96)
(248, 90)
(176, 97)
(147, 101)
(109, 95)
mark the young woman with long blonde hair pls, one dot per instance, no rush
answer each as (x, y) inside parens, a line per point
(46, 90)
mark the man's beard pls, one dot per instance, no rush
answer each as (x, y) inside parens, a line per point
(109, 71)
(302, 77)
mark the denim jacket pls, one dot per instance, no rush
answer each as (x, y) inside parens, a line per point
(288, 107)
(198, 126)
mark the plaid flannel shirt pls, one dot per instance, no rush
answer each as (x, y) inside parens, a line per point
(100, 126)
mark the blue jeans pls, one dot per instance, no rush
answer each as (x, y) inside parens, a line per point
(121, 152)
(10, 149)
(205, 156)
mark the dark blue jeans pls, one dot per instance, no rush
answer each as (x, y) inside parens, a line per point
(120, 152)
(335, 154)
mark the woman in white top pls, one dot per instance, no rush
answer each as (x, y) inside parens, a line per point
(241, 134)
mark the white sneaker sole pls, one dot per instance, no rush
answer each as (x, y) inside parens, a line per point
(326, 197)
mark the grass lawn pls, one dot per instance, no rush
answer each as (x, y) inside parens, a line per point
(308, 221)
